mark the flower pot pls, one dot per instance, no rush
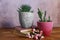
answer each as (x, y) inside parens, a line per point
(46, 27)
(26, 19)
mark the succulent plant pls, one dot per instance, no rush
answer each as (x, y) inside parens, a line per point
(24, 8)
(42, 16)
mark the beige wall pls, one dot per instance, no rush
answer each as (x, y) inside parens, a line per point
(9, 15)
(58, 14)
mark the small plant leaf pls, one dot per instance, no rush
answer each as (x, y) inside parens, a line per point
(40, 14)
(45, 17)
(49, 19)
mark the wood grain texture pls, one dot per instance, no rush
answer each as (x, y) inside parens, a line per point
(10, 34)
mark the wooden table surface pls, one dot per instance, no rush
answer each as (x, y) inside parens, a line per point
(10, 34)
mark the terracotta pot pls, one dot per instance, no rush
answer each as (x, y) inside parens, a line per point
(46, 27)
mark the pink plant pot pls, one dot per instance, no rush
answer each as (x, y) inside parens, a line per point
(46, 27)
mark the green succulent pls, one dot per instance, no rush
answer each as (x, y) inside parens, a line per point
(24, 8)
(43, 18)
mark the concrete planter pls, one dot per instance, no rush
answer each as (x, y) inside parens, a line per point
(26, 19)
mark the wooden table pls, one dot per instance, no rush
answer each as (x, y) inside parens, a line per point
(10, 34)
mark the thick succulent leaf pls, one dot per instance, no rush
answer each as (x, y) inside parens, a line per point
(45, 17)
(40, 14)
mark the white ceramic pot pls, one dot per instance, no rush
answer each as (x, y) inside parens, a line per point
(26, 19)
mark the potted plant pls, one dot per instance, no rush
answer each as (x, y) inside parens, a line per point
(25, 16)
(44, 24)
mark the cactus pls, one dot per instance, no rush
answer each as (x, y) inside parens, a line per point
(49, 19)
(43, 18)
(40, 14)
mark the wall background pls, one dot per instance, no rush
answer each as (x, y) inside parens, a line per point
(9, 15)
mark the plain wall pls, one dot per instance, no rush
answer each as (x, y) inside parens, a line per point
(9, 15)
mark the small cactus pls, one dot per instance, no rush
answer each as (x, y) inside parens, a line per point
(49, 19)
(43, 18)
(40, 14)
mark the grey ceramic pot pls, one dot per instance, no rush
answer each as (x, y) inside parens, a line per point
(26, 19)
